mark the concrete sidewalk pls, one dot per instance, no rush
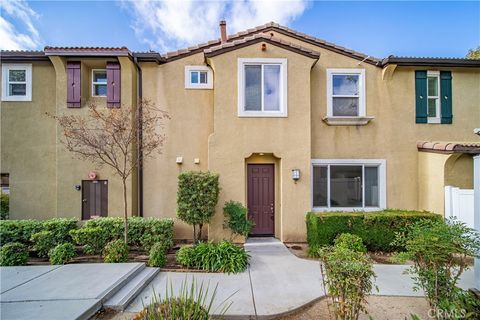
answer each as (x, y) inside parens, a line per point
(73, 291)
(276, 282)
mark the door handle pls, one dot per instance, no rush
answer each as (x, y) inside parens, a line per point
(84, 200)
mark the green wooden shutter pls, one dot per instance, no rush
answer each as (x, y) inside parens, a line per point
(421, 110)
(446, 96)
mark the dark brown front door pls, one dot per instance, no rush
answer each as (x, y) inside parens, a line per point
(261, 198)
(94, 198)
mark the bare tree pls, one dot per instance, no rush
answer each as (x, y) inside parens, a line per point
(116, 137)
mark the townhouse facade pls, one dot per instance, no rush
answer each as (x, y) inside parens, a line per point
(291, 123)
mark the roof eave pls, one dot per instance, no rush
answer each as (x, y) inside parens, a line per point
(431, 62)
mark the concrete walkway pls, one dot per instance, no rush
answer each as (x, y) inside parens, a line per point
(276, 282)
(73, 291)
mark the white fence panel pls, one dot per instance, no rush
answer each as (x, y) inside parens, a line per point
(459, 205)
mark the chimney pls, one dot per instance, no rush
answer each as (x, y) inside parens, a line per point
(223, 31)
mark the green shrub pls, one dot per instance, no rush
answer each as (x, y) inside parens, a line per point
(376, 229)
(439, 252)
(157, 257)
(60, 228)
(350, 241)
(13, 254)
(219, 257)
(141, 231)
(4, 206)
(192, 302)
(347, 276)
(115, 251)
(22, 230)
(43, 242)
(236, 219)
(19, 230)
(197, 197)
(62, 253)
(93, 239)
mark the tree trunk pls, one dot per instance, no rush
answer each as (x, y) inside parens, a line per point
(195, 234)
(125, 211)
(199, 237)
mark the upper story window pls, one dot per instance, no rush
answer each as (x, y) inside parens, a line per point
(433, 96)
(99, 83)
(262, 87)
(348, 185)
(346, 93)
(17, 82)
(198, 77)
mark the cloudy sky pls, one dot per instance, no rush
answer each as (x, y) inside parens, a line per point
(377, 28)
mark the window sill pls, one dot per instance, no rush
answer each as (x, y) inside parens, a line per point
(346, 209)
(347, 121)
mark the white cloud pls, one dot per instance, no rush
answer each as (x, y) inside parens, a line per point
(172, 24)
(10, 37)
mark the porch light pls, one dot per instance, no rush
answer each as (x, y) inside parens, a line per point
(296, 175)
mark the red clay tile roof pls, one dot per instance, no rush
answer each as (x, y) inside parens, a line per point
(259, 37)
(87, 51)
(449, 147)
(272, 26)
(22, 55)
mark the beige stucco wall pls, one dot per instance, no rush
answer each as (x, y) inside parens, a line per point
(431, 181)
(43, 174)
(459, 171)
(237, 138)
(191, 113)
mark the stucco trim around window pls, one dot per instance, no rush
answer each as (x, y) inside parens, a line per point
(381, 164)
(283, 86)
(361, 109)
(6, 67)
(198, 85)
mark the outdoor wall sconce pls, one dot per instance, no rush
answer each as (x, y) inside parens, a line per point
(264, 46)
(179, 160)
(196, 160)
(78, 187)
(296, 175)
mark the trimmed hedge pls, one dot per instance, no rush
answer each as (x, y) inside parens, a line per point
(142, 232)
(376, 229)
(22, 230)
(13, 254)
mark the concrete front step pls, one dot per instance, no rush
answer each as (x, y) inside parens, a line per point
(130, 290)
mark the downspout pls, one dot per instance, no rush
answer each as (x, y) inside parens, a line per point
(140, 139)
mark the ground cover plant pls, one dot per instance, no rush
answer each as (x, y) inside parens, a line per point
(348, 276)
(223, 256)
(376, 229)
(439, 251)
(197, 197)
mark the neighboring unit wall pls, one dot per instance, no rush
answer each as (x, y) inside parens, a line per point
(431, 179)
(187, 132)
(28, 147)
(459, 171)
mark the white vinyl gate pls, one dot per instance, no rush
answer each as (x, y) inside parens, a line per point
(459, 205)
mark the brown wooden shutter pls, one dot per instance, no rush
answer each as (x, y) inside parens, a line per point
(73, 85)
(113, 84)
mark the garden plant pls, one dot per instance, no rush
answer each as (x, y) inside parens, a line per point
(13, 254)
(115, 251)
(348, 276)
(157, 256)
(439, 251)
(236, 219)
(197, 197)
(62, 253)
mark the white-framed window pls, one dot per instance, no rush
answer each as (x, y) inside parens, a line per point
(99, 83)
(433, 92)
(262, 87)
(198, 77)
(16, 82)
(348, 185)
(346, 93)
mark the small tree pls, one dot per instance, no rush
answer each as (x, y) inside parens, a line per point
(109, 136)
(473, 53)
(348, 273)
(197, 197)
(236, 219)
(439, 252)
